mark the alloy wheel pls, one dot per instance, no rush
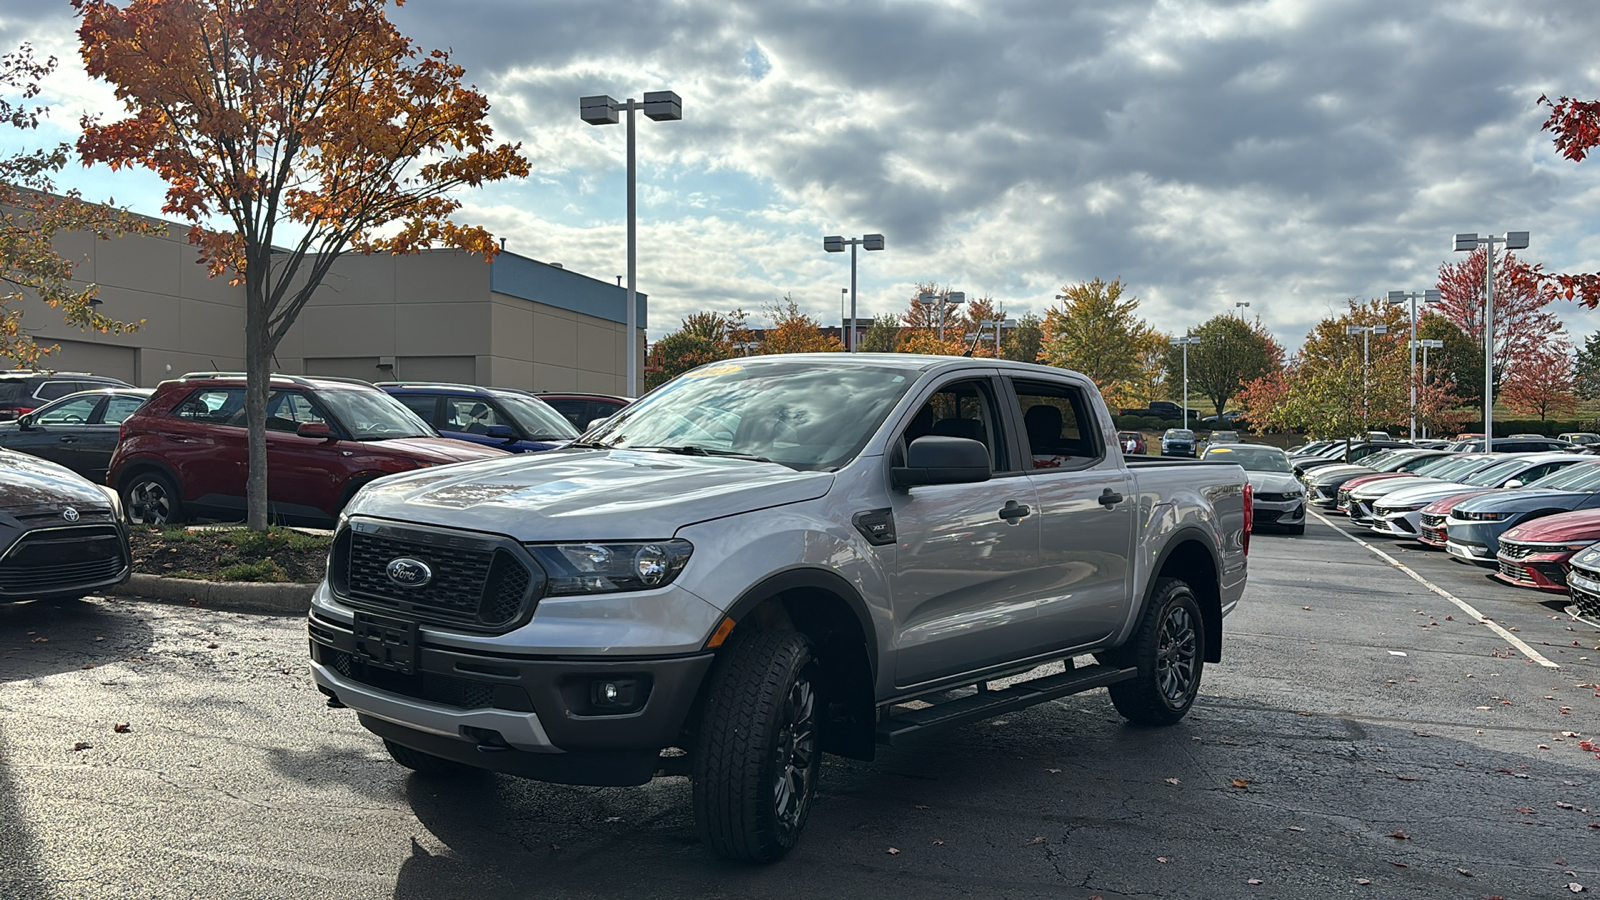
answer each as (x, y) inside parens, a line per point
(1176, 654)
(795, 754)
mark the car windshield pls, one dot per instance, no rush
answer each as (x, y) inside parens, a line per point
(1446, 467)
(373, 415)
(1579, 477)
(1252, 459)
(1496, 473)
(1178, 434)
(1382, 459)
(800, 414)
(536, 419)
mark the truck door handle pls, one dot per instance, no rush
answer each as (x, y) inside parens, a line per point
(68, 439)
(1013, 511)
(1110, 498)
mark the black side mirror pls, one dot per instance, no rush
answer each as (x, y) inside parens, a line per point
(503, 432)
(935, 459)
(25, 422)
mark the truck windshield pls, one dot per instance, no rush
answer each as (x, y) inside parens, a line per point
(805, 415)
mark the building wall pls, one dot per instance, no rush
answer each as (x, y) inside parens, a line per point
(433, 316)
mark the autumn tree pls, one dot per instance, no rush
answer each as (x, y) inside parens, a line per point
(679, 352)
(1024, 342)
(1231, 353)
(882, 336)
(33, 214)
(1575, 125)
(979, 339)
(1522, 325)
(312, 128)
(1332, 390)
(1542, 384)
(1095, 331)
(793, 331)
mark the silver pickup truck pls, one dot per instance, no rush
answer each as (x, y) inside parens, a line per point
(772, 558)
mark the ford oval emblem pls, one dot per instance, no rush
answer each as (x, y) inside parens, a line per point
(70, 514)
(408, 572)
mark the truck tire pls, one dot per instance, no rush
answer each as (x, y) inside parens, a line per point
(426, 763)
(757, 754)
(1168, 650)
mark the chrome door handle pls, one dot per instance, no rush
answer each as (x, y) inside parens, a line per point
(1013, 511)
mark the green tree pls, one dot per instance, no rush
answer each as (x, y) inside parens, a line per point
(32, 215)
(1332, 392)
(1096, 332)
(679, 352)
(882, 336)
(1231, 354)
(1459, 361)
(1024, 342)
(1586, 368)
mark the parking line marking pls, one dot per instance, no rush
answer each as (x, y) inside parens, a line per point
(1517, 642)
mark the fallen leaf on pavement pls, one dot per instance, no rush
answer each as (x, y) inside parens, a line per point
(1398, 865)
(1575, 887)
(1562, 804)
(1241, 783)
(1170, 780)
(82, 745)
(1296, 828)
(1363, 881)
(893, 851)
(1465, 872)
(1037, 840)
(920, 806)
(1053, 771)
(41, 640)
(1400, 835)
(1253, 881)
(121, 728)
(938, 843)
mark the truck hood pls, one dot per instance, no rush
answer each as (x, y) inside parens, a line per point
(1561, 528)
(587, 495)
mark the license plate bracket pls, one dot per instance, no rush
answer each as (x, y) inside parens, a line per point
(386, 643)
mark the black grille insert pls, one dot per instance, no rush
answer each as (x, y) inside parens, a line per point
(474, 582)
(63, 559)
(445, 690)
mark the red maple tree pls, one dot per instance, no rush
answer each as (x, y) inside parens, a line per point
(1576, 126)
(1543, 384)
(1522, 325)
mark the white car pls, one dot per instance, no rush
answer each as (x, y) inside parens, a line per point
(1399, 513)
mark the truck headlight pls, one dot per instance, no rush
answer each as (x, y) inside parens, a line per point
(600, 568)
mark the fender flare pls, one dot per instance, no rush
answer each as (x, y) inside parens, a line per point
(818, 579)
(1181, 536)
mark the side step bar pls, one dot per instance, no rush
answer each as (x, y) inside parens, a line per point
(893, 729)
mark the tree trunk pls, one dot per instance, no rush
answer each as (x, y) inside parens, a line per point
(258, 376)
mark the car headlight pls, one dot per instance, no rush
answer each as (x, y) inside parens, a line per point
(116, 501)
(1482, 516)
(1390, 510)
(604, 568)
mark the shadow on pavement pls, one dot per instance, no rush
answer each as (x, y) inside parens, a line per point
(39, 638)
(20, 875)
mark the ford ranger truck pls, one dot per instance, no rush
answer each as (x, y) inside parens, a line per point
(769, 559)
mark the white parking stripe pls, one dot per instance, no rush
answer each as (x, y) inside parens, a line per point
(1517, 642)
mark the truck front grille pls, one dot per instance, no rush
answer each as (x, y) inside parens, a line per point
(476, 582)
(445, 690)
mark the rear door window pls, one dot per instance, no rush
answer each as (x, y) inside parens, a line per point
(217, 406)
(119, 408)
(1057, 425)
(426, 406)
(73, 412)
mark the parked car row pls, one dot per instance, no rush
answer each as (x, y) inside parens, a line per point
(1533, 517)
(86, 454)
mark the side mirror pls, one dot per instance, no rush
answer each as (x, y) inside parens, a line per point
(935, 459)
(314, 430)
(1513, 483)
(595, 422)
(503, 432)
(25, 421)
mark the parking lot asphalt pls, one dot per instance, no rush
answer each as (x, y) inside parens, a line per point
(1364, 736)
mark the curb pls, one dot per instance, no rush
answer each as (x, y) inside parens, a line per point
(232, 596)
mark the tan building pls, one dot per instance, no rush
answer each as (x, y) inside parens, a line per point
(436, 316)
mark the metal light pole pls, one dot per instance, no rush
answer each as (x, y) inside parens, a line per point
(1396, 298)
(1514, 240)
(1366, 332)
(833, 243)
(1184, 342)
(1426, 343)
(950, 298)
(843, 293)
(661, 106)
(1241, 304)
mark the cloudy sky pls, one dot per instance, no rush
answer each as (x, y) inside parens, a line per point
(1286, 153)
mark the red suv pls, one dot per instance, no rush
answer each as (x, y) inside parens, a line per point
(184, 453)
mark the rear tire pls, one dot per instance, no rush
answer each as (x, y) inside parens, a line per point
(757, 754)
(1169, 651)
(426, 763)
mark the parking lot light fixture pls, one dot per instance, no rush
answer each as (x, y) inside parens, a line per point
(1241, 304)
(1185, 342)
(1426, 344)
(1366, 332)
(1513, 240)
(1396, 298)
(948, 298)
(834, 243)
(659, 106)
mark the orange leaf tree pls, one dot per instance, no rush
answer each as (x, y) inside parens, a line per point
(32, 214)
(1576, 127)
(1542, 383)
(793, 331)
(313, 124)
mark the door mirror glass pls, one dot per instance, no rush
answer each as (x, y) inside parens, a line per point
(935, 459)
(595, 423)
(314, 430)
(25, 421)
(503, 432)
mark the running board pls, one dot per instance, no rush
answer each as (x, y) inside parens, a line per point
(893, 729)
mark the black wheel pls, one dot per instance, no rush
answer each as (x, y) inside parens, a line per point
(150, 498)
(1169, 651)
(757, 753)
(426, 763)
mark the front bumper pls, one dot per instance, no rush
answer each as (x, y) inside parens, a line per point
(1470, 551)
(65, 561)
(480, 706)
(1267, 513)
(1584, 587)
(1406, 524)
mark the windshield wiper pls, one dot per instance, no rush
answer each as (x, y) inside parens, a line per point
(588, 445)
(695, 450)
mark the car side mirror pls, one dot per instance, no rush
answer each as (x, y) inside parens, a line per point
(1513, 483)
(595, 422)
(936, 459)
(503, 432)
(314, 430)
(25, 421)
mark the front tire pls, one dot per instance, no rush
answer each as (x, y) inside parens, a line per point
(757, 754)
(151, 498)
(1168, 651)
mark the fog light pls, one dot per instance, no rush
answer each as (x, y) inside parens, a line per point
(615, 694)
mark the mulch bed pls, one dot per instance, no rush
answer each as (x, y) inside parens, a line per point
(276, 555)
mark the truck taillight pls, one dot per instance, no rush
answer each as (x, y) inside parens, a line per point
(1249, 514)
